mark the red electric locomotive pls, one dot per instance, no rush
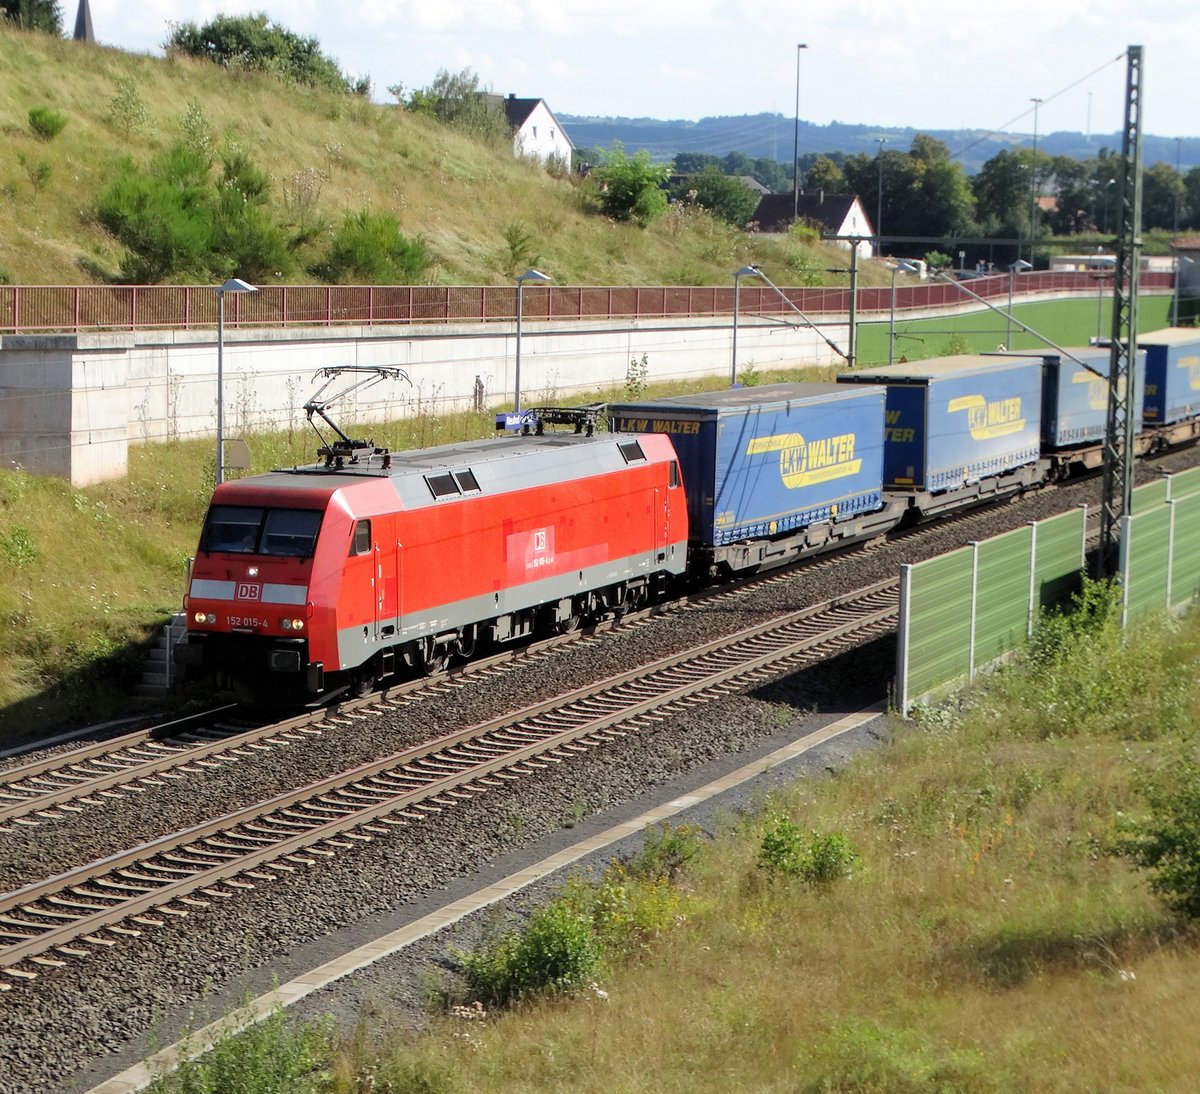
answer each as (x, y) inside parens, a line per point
(332, 576)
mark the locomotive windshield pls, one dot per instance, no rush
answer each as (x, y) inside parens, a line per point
(250, 530)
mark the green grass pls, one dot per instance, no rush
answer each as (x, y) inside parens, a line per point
(1067, 323)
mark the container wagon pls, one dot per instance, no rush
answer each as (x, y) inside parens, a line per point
(959, 428)
(771, 473)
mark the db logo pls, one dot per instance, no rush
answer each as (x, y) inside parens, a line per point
(539, 539)
(247, 590)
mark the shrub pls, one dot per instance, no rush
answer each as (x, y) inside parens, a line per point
(369, 247)
(254, 42)
(818, 860)
(271, 1057)
(557, 951)
(635, 377)
(46, 123)
(631, 187)
(1167, 842)
(126, 110)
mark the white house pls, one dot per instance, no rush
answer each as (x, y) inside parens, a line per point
(536, 131)
(838, 215)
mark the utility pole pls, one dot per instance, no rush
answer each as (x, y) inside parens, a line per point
(1121, 426)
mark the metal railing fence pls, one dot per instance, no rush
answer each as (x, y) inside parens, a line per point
(33, 309)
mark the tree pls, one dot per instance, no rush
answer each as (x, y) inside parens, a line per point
(43, 15)
(458, 100)
(825, 175)
(631, 188)
(1191, 203)
(1163, 193)
(692, 163)
(253, 41)
(725, 197)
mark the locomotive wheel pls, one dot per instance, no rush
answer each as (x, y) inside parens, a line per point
(430, 658)
(362, 681)
(566, 626)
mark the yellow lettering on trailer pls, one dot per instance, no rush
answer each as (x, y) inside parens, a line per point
(989, 420)
(807, 463)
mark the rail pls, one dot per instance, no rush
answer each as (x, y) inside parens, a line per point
(74, 309)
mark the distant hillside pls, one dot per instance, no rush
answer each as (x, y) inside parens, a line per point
(770, 136)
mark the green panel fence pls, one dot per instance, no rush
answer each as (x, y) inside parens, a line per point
(937, 632)
(1002, 568)
(1150, 496)
(1185, 553)
(1145, 561)
(965, 610)
(1182, 483)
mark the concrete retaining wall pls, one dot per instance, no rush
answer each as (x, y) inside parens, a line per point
(70, 405)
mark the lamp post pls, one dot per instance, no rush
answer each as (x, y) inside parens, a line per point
(796, 141)
(234, 285)
(896, 268)
(881, 141)
(745, 271)
(528, 275)
(1179, 260)
(1033, 181)
(1013, 269)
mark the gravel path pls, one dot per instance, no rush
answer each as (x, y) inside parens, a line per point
(101, 1010)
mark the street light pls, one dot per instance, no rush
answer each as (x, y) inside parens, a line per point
(745, 271)
(1013, 269)
(896, 268)
(881, 141)
(528, 275)
(1033, 180)
(234, 285)
(796, 141)
(1179, 260)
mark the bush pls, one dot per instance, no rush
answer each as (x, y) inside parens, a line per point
(126, 110)
(177, 221)
(818, 860)
(1168, 840)
(46, 123)
(271, 1057)
(557, 951)
(631, 188)
(254, 42)
(369, 247)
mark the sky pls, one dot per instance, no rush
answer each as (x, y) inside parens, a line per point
(927, 64)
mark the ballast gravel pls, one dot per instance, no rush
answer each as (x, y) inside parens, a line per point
(84, 1020)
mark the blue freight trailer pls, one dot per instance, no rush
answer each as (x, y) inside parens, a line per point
(1075, 400)
(957, 421)
(762, 462)
(1172, 375)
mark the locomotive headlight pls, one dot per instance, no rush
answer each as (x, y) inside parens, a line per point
(286, 624)
(292, 624)
(202, 617)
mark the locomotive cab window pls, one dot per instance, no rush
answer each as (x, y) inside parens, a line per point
(249, 530)
(290, 533)
(362, 538)
(632, 451)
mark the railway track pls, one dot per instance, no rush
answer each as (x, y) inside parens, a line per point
(64, 918)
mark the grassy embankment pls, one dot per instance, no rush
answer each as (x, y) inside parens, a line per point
(989, 937)
(327, 155)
